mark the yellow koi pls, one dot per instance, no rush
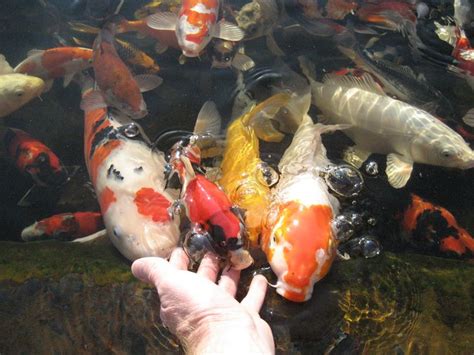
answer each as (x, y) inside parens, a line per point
(243, 173)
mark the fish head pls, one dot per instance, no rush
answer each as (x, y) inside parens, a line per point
(300, 246)
(47, 170)
(192, 38)
(19, 89)
(449, 150)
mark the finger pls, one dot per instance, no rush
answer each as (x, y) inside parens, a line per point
(209, 267)
(179, 259)
(256, 294)
(150, 270)
(229, 281)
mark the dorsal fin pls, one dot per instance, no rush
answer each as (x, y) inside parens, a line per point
(364, 82)
(34, 52)
(208, 120)
(5, 68)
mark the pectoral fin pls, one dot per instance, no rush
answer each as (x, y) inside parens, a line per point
(242, 62)
(355, 156)
(148, 82)
(162, 21)
(228, 31)
(468, 118)
(160, 48)
(398, 170)
(67, 79)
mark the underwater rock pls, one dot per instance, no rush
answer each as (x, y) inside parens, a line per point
(60, 296)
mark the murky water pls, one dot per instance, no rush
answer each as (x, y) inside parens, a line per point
(413, 295)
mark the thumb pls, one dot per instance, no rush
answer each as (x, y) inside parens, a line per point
(150, 270)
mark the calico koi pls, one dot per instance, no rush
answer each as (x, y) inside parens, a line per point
(34, 158)
(207, 206)
(64, 226)
(128, 178)
(433, 227)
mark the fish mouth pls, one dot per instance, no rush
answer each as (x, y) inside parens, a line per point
(293, 294)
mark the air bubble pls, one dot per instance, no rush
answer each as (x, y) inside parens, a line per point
(344, 180)
(372, 168)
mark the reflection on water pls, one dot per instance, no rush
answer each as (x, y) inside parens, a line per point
(408, 287)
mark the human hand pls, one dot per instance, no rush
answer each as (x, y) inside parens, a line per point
(204, 315)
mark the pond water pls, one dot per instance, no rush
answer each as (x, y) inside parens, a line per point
(396, 173)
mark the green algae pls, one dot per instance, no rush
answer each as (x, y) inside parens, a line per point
(96, 262)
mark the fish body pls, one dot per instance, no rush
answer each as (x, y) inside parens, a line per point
(209, 207)
(196, 20)
(34, 158)
(297, 237)
(242, 177)
(433, 227)
(381, 124)
(64, 226)
(164, 37)
(114, 78)
(195, 25)
(128, 178)
(56, 62)
(399, 81)
(136, 57)
(16, 89)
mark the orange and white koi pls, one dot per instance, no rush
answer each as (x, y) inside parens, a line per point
(120, 89)
(195, 25)
(54, 63)
(298, 236)
(432, 227)
(34, 158)
(64, 226)
(128, 178)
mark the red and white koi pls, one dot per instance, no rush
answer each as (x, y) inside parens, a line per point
(64, 226)
(54, 63)
(297, 236)
(208, 207)
(117, 84)
(195, 25)
(34, 158)
(128, 178)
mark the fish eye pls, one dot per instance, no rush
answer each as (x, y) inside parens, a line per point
(19, 93)
(447, 153)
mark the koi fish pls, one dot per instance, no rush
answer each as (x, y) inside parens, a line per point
(225, 54)
(133, 56)
(16, 89)
(398, 80)
(381, 124)
(435, 228)
(33, 158)
(120, 89)
(64, 226)
(297, 235)
(207, 206)
(53, 63)
(195, 25)
(128, 179)
(245, 179)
